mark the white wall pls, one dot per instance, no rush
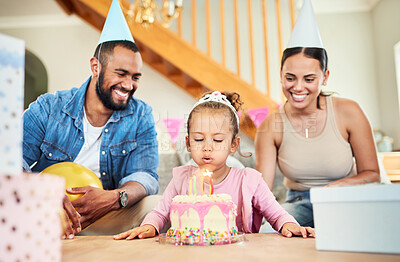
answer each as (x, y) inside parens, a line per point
(386, 22)
(168, 101)
(348, 39)
(65, 51)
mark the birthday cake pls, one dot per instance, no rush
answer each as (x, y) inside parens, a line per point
(202, 219)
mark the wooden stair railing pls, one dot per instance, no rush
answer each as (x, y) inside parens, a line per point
(178, 60)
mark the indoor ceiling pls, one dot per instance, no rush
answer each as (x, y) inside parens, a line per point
(27, 12)
(29, 7)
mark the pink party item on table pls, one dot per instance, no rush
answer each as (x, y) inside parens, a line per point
(30, 225)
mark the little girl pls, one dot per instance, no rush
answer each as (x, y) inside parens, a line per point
(213, 127)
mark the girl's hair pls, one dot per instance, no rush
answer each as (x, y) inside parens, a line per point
(311, 52)
(233, 98)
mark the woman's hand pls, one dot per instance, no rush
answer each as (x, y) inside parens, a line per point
(140, 232)
(341, 182)
(289, 229)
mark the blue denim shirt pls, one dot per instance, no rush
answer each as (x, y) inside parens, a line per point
(53, 133)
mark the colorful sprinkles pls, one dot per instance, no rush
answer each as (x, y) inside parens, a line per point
(190, 236)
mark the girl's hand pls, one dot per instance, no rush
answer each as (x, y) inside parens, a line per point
(140, 232)
(289, 229)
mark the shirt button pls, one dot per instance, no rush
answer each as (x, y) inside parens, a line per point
(103, 152)
(106, 130)
(81, 138)
(50, 154)
(123, 151)
(104, 173)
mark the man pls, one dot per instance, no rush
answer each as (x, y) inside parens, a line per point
(103, 127)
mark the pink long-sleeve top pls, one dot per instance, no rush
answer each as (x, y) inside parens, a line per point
(249, 192)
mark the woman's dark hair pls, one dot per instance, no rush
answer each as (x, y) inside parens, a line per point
(106, 49)
(311, 52)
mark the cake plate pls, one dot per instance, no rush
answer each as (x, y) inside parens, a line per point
(164, 239)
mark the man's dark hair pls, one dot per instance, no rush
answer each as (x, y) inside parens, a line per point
(106, 49)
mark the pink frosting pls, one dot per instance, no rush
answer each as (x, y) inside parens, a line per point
(202, 210)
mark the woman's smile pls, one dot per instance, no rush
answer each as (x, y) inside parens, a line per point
(298, 97)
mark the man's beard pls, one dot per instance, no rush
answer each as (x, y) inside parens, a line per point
(105, 96)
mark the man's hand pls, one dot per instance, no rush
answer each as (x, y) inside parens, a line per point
(70, 214)
(94, 203)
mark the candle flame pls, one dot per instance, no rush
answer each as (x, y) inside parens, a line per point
(207, 173)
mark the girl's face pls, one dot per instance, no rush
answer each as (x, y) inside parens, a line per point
(210, 139)
(302, 79)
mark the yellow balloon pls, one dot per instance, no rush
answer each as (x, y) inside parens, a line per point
(75, 175)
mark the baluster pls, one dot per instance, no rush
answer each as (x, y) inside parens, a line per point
(292, 20)
(222, 17)
(194, 23)
(235, 10)
(266, 51)
(180, 25)
(249, 12)
(208, 28)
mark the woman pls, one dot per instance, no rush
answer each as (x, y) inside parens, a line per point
(314, 137)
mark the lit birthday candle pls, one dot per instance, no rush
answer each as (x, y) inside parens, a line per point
(211, 186)
(194, 185)
(208, 173)
(190, 186)
(201, 184)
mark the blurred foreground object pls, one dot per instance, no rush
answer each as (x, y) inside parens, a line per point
(391, 163)
(30, 222)
(361, 218)
(12, 71)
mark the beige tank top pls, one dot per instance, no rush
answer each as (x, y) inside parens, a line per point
(317, 161)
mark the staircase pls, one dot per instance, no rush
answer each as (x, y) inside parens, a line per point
(172, 56)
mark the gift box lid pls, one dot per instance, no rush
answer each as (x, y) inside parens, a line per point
(357, 193)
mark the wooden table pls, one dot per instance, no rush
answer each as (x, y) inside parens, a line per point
(258, 247)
